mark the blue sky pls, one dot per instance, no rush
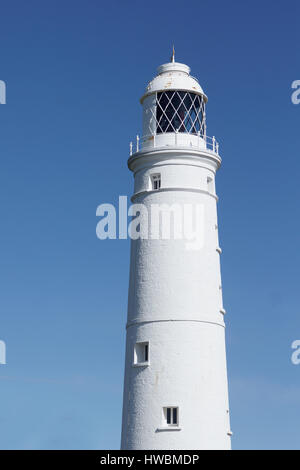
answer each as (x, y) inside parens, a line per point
(75, 71)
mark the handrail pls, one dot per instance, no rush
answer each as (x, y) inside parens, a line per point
(211, 143)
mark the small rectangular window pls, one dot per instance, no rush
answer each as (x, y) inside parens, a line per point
(170, 415)
(156, 181)
(141, 353)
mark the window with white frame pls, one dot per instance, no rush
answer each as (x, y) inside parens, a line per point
(170, 416)
(141, 353)
(156, 181)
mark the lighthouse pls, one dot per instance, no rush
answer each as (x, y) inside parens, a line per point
(175, 385)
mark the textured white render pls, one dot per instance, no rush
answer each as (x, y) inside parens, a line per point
(175, 300)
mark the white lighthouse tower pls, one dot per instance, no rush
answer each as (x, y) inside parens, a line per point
(175, 388)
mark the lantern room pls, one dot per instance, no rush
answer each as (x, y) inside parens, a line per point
(174, 108)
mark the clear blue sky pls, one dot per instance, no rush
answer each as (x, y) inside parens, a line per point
(74, 72)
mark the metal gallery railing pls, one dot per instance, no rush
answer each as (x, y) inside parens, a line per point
(154, 141)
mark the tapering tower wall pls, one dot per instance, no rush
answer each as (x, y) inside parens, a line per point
(175, 387)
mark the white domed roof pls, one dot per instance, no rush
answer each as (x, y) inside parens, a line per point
(174, 76)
